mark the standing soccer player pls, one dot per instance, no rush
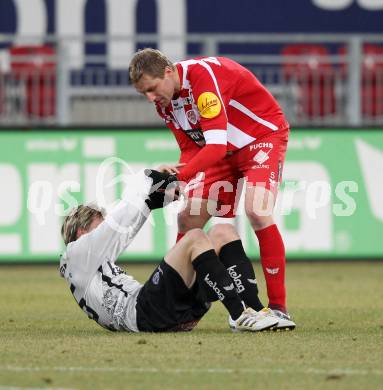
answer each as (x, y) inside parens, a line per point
(229, 127)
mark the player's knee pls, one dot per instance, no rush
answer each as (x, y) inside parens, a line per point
(196, 235)
(184, 222)
(259, 221)
(221, 234)
(187, 222)
(221, 230)
(197, 242)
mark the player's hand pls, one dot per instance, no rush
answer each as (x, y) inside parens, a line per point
(160, 179)
(170, 168)
(164, 189)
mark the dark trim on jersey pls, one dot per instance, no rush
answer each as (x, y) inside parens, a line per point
(111, 268)
(116, 270)
(108, 280)
(91, 313)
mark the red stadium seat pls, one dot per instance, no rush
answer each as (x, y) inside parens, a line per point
(2, 94)
(35, 66)
(314, 77)
(372, 79)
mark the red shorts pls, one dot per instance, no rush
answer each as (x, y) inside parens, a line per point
(259, 163)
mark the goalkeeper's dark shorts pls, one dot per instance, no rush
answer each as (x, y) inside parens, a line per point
(165, 304)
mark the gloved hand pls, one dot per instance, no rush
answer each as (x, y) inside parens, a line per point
(162, 181)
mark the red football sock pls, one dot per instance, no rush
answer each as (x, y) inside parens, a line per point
(179, 236)
(273, 261)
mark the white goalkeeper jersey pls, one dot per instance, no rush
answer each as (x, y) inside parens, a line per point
(99, 286)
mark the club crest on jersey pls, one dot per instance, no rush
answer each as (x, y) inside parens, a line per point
(157, 275)
(188, 100)
(209, 105)
(192, 116)
(156, 278)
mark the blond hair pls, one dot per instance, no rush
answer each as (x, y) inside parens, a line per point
(79, 217)
(148, 61)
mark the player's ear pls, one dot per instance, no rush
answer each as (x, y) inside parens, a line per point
(80, 232)
(168, 70)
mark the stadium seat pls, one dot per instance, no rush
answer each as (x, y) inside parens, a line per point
(34, 66)
(372, 79)
(2, 94)
(313, 77)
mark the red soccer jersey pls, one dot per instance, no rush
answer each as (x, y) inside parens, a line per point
(222, 103)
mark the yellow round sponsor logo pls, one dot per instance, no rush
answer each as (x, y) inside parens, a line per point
(209, 105)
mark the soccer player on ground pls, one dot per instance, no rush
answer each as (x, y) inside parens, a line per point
(179, 291)
(230, 127)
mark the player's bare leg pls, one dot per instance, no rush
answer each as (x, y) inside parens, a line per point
(259, 205)
(195, 215)
(179, 257)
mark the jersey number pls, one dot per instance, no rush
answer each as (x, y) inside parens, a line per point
(88, 310)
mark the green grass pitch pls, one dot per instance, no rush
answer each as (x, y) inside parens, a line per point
(46, 341)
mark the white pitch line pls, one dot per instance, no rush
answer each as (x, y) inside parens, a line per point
(309, 371)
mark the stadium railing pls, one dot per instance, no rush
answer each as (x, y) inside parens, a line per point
(319, 79)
